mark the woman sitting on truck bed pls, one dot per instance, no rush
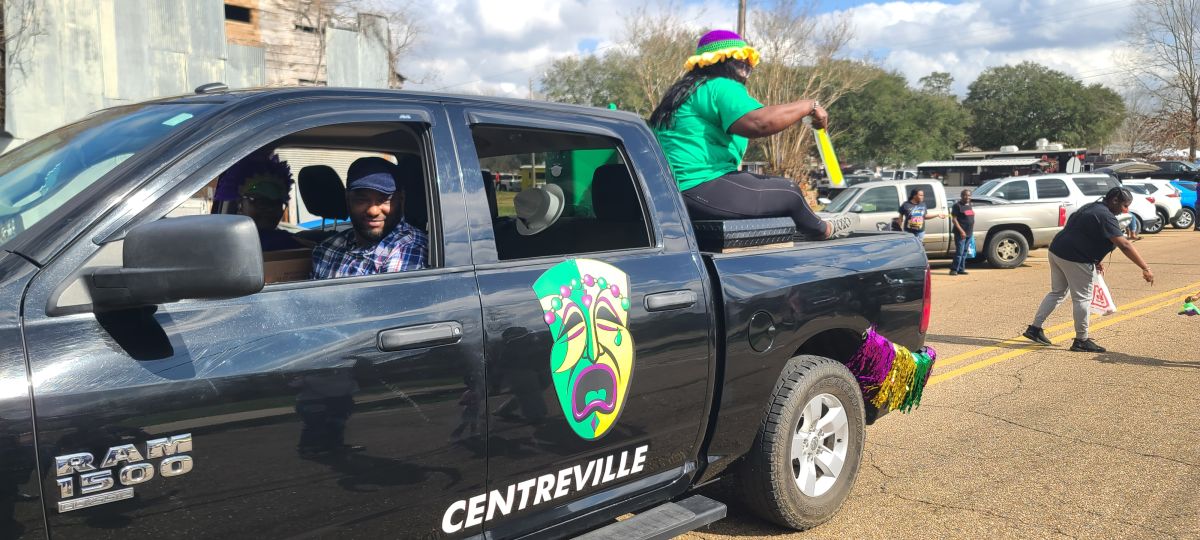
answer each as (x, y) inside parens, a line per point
(704, 124)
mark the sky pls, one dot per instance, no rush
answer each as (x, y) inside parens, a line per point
(500, 47)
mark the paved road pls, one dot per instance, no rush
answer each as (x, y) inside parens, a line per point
(1018, 441)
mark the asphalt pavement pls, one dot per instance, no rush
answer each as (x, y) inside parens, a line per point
(1014, 440)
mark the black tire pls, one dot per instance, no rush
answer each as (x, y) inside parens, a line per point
(767, 478)
(1006, 249)
(1186, 219)
(1156, 228)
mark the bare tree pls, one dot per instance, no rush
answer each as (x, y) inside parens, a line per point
(15, 40)
(1167, 35)
(1142, 131)
(799, 61)
(404, 28)
(656, 45)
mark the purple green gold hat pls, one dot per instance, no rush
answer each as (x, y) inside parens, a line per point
(719, 46)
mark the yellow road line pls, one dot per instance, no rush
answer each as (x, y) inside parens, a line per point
(1069, 324)
(1106, 322)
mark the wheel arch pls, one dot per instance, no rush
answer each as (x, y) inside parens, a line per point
(1023, 230)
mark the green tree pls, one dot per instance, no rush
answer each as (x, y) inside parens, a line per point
(888, 122)
(938, 82)
(1022, 103)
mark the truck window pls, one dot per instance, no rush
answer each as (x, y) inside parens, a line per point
(584, 198)
(1052, 188)
(1017, 190)
(43, 174)
(295, 190)
(930, 195)
(1095, 186)
(880, 199)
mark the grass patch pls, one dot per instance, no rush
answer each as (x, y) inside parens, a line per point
(504, 203)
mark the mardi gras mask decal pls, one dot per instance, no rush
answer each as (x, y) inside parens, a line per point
(586, 305)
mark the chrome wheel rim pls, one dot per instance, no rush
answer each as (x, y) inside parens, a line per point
(1185, 220)
(1007, 250)
(819, 445)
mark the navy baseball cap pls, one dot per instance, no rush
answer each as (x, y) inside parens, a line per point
(374, 173)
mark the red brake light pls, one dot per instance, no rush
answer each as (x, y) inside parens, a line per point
(1062, 216)
(927, 297)
(1150, 199)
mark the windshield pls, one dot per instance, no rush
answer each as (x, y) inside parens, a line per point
(986, 188)
(43, 174)
(839, 203)
(1190, 186)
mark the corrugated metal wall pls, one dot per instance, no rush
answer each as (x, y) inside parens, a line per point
(359, 58)
(90, 54)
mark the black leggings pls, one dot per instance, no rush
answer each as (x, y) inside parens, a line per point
(742, 195)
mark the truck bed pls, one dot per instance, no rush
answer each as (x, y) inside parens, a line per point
(812, 298)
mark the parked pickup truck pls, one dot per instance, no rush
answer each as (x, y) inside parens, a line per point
(1004, 232)
(161, 375)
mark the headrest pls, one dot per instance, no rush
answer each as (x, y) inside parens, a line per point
(614, 197)
(411, 176)
(489, 189)
(322, 191)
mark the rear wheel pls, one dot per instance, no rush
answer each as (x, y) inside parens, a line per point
(1007, 249)
(1187, 217)
(1155, 227)
(809, 445)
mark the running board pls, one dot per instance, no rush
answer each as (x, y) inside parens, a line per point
(663, 522)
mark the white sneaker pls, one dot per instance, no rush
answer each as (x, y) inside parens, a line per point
(843, 225)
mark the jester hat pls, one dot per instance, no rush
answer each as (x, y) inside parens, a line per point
(719, 46)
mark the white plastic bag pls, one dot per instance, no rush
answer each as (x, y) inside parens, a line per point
(1102, 300)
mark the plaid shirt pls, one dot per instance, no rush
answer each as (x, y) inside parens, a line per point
(405, 248)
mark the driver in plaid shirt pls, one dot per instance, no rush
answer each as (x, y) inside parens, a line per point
(379, 240)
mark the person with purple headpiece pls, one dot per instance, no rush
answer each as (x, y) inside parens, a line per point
(704, 123)
(261, 185)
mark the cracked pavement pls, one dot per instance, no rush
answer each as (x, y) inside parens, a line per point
(1048, 443)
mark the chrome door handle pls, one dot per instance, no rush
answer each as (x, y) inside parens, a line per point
(417, 337)
(665, 301)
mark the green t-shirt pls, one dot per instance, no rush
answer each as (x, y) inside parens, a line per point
(698, 144)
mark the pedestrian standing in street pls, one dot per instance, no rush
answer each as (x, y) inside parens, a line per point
(913, 213)
(963, 218)
(1076, 256)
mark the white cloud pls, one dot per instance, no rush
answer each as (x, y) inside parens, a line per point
(494, 47)
(1080, 38)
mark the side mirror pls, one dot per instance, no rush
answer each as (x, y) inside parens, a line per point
(192, 257)
(824, 200)
(856, 208)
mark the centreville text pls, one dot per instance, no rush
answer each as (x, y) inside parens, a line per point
(518, 496)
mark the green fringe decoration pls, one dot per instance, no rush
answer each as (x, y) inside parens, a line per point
(923, 364)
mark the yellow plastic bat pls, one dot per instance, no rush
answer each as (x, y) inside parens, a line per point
(828, 157)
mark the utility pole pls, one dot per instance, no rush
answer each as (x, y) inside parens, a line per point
(741, 29)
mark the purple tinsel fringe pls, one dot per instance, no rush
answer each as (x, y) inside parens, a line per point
(871, 364)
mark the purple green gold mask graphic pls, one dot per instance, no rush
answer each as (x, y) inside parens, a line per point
(586, 305)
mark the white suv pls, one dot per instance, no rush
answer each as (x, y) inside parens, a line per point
(1072, 190)
(1167, 200)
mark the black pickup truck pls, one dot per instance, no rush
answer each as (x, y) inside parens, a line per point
(160, 376)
